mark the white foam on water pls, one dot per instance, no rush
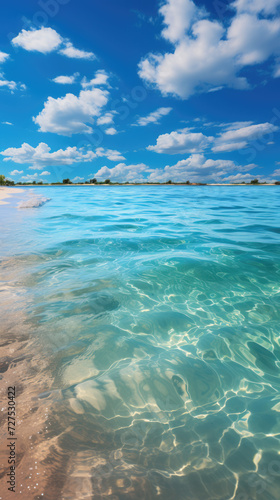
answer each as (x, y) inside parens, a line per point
(34, 202)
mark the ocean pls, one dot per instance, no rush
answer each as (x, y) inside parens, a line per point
(140, 329)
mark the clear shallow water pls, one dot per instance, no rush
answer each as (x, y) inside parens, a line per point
(153, 314)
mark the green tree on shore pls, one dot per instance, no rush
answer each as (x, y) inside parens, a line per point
(6, 182)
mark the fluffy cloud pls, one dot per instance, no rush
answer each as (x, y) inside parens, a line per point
(70, 114)
(153, 117)
(208, 55)
(73, 53)
(182, 141)
(101, 78)
(10, 84)
(64, 80)
(106, 119)
(123, 173)
(239, 178)
(29, 177)
(34, 177)
(111, 154)
(256, 6)
(46, 40)
(234, 136)
(178, 16)
(253, 40)
(276, 173)
(111, 131)
(7, 123)
(3, 56)
(195, 168)
(78, 179)
(238, 137)
(41, 156)
(16, 172)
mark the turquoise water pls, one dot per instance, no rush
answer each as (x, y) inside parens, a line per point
(155, 312)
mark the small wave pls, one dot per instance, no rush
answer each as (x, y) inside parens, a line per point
(35, 202)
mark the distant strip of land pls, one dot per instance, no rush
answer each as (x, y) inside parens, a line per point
(11, 188)
(143, 184)
(108, 182)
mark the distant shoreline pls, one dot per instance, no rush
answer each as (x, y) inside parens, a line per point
(133, 185)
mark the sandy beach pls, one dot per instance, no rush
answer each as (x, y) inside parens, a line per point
(7, 192)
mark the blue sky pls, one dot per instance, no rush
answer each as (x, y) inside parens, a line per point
(136, 91)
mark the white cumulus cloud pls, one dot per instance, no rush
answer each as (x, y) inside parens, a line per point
(111, 131)
(47, 40)
(177, 16)
(44, 40)
(106, 119)
(3, 56)
(64, 80)
(100, 78)
(71, 114)
(257, 6)
(16, 172)
(7, 83)
(182, 141)
(70, 51)
(207, 54)
(239, 178)
(111, 154)
(10, 84)
(29, 177)
(78, 179)
(41, 156)
(196, 168)
(123, 173)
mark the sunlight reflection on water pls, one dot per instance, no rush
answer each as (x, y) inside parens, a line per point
(153, 316)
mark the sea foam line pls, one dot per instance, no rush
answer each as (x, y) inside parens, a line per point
(34, 202)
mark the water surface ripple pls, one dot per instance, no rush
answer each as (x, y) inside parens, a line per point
(151, 341)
